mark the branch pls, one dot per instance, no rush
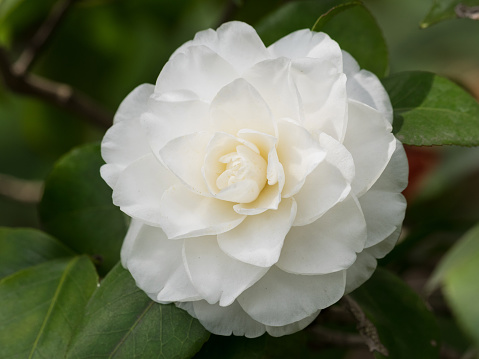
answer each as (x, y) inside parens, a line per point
(367, 329)
(61, 95)
(335, 338)
(36, 44)
(467, 12)
(20, 190)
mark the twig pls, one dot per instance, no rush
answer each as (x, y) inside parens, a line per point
(38, 41)
(467, 12)
(367, 329)
(59, 94)
(20, 190)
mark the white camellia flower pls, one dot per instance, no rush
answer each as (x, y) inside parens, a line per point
(262, 182)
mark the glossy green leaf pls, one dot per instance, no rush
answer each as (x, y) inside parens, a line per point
(458, 274)
(40, 306)
(21, 248)
(347, 22)
(404, 324)
(431, 110)
(122, 322)
(444, 10)
(77, 207)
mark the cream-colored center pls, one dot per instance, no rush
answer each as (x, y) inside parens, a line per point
(243, 165)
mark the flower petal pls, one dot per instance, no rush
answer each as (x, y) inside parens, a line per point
(168, 120)
(384, 212)
(291, 328)
(187, 214)
(371, 143)
(156, 264)
(217, 277)
(191, 70)
(360, 271)
(384, 247)
(324, 187)
(259, 239)
(239, 106)
(299, 153)
(274, 299)
(237, 42)
(307, 43)
(272, 79)
(327, 245)
(134, 104)
(140, 187)
(365, 87)
(185, 156)
(322, 88)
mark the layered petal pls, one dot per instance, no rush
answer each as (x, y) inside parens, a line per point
(239, 106)
(327, 245)
(275, 301)
(384, 247)
(322, 88)
(362, 269)
(187, 214)
(185, 156)
(363, 86)
(259, 239)
(299, 153)
(168, 119)
(370, 142)
(191, 70)
(155, 262)
(236, 42)
(273, 80)
(307, 43)
(140, 187)
(134, 104)
(216, 276)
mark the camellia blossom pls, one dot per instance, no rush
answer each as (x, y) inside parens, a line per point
(262, 182)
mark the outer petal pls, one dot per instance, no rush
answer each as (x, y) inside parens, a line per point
(217, 277)
(155, 263)
(237, 42)
(239, 106)
(140, 187)
(365, 87)
(299, 153)
(234, 320)
(307, 43)
(186, 214)
(123, 143)
(384, 247)
(272, 79)
(259, 239)
(170, 119)
(328, 245)
(134, 104)
(360, 271)
(192, 70)
(274, 299)
(371, 143)
(185, 156)
(384, 212)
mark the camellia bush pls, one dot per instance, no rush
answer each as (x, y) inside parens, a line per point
(238, 179)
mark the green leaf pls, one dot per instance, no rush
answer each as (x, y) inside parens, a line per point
(41, 305)
(21, 248)
(431, 110)
(444, 10)
(458, 274)
(347, 22)
(404, 324)
(77, 207)
(122, 322)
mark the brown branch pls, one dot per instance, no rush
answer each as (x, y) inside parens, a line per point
(365, 327)
(20, 190)
(38, 41)
(61, 95)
